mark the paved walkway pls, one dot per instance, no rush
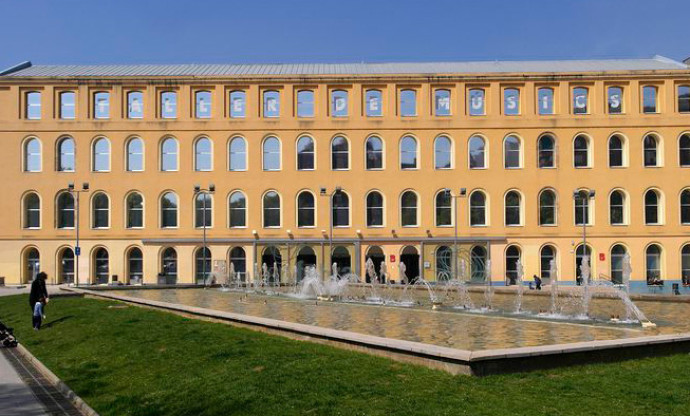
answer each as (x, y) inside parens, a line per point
(17, 290)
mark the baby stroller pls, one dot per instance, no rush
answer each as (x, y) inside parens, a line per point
(6, 337)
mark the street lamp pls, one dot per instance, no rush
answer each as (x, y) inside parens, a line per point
(463, 192)
(77, 250)
(585, 206)
(324, 192)
(198, 191)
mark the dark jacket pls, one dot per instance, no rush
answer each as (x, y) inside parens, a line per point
(38, 291)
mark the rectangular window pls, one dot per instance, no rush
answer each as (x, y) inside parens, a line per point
(476, 102)
(33, 105)
(580, 100)
(511, 101)
(373, 103)
(442, 103)
(203, 104)
(545, 101)
(169, 104)
(684, 99)
(238, 104)
(408, 103)
(67, 105)
(271, 104)
(615, 100)
(135, 104)
(649, 100)
(101, 105)
(305, 103)
(339, 103)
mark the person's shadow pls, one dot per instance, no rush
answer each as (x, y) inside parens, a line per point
(57, 321)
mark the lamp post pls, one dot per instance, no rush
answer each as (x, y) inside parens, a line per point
(463, 192)
(77, 250)
(200, 191)
(324, 192)
(585, 206)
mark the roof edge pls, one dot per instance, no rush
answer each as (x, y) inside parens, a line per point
(15, 68)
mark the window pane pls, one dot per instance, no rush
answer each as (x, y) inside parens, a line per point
(66, 155)
(617, 208)
(135, 155)
(580, 101)
(547, 146)
(238, 210)
(581, 152)
(545, 101)
(33, 105)
(547, 208)
(340, 153)
(169, 155)
(203, 155)
(341, 209)
(477, 153)
(32, 155)
(374, 153)
(203, 210)
(512, 149)
(101, 105)
(169, 210)
(650, 151)
(339, 103)
(237, 104)
(271, 104)
(305, 153)
(442, 156)
(511, 101)
(305, 104)
(442, 102)
(305, 210)
(238, 154)
(101, 155)
(65, 211)
(476, 102)
(408, 153)
(135, 104)
(408, 103)
(374, 209)
(67, 105)
(203, 104)
(684, 99)
(135, 211)
(169, 104)
(615, 151)
(32, 211)
(374, 105)
(615, 100)
(649, 103)
(271, 154)
(408, 204)
(443, 209)
(271, 210)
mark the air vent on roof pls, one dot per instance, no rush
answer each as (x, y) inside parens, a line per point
(16, 68)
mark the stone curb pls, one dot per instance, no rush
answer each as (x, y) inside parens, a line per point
(60, 385)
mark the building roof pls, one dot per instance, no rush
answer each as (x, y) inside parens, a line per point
(656, 63)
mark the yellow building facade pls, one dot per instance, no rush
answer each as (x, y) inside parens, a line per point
(296, 165)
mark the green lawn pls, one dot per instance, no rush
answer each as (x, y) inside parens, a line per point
(135, 361)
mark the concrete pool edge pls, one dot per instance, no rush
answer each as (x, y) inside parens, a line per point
(455, 361)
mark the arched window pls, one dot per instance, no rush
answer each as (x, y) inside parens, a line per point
(478, 257)
(408, 103)
(32, 210)
(135, 210)
(512, 152)
(203, 210)
(408, 153)
(685, 264)
(135, 155)
(547, 151)
(374, 103)
(101, 210)
(238, 260)
(66, 266)
(135, 266)
(203, 155)
(169, 210)
(32, 264)
(547, 207)
(581, 154)
(616, 159)
(305, 153)
(374, 150)
(685, 207)
(340, 153)
(169, 154)
(271, 207)
(651, 157)
(271, 153)
(512, 258)
(65, 155)
(617, 209)
(341, 257)
(306, 209)
(513, 214)
(444, 263)
(273, 259)
(65, 210)
(408, 209)
(374, 209)
(339, 103)
(580, 254)
(443, 153)
(341, 209)
(203, 104)
(546, 255)
(305, 103)
(444, 209)
(477, 208)
(684, 150)
(477, 147)
(202, 266)
(101, 155)
(238, 210)
(652, 208)
(135, 104)
(237, 154)
(32, 110)
(101, 266)
(583, 209)
(32, 155)
(653, 263)
(618, 252)
(169, 265)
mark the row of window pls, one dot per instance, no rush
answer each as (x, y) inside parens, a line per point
(409, 153)
(409, 209)
(654, 262)
(339, 102)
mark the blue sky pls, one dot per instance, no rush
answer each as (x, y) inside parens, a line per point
(228, 31)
